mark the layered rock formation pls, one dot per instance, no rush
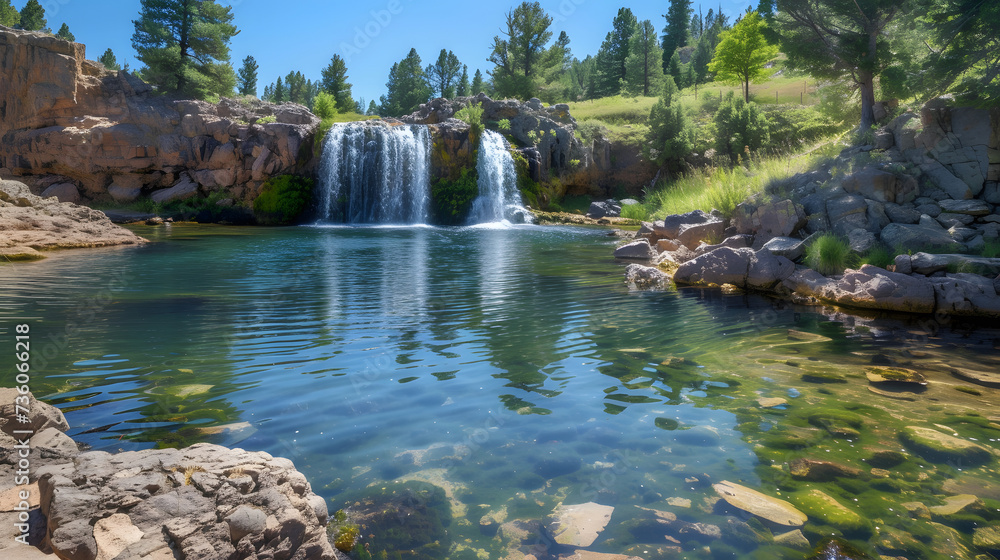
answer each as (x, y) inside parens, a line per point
(30, 224)
(204, 501)
(102, 135)
(931, 185)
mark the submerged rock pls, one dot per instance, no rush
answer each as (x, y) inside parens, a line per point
(580, 524)
(820, 505)
(645, 277)
(886, 374)
(821, 471)
(761, 505)
(942, 448)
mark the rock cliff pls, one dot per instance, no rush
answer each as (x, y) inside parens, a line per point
(102, 135)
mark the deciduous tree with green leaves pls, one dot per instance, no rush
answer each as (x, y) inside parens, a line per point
(185, 46)
(742, 53)
(517, 58)
(9, 16)
(246, 79)
(838, 38)
(335, 83)
(644, 65)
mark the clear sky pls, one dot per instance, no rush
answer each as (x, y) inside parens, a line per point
(286, 35)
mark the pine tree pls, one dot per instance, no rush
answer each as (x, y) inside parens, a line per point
(109, 61)
(517, 59)
(407, 87)
(372, 108)
(442, 75)
(614, 50)
(675, 34)
(33, 16)
(278, 92)
(246, 80)
(295, 83)
(671, 136)
(335, 83)
(674, 67)
(477, 84)
(463, 83)
(9, 17)
(64, 33)
(185, 46)
(644, 65)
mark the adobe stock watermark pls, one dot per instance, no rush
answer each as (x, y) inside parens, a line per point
(364, 35)
(566, 9)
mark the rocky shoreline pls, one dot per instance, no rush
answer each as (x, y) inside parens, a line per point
(32, 224)
(928, 190)
(199, 502)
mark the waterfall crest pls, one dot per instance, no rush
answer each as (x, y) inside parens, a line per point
(498, 198)
(373, 173)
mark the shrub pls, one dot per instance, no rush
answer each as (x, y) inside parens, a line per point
(282, 200)
(671, 136)
(267, 120)
(452, 199)
(472, 114)
(504, 124)
(828, 255)
(740, 125)
(324, 105)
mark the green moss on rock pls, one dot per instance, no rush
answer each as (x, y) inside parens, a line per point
(282, 200)
(942, 448)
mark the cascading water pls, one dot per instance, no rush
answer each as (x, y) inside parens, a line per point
(498, 198)
(373, 173)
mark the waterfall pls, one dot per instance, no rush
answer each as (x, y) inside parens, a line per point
(373, 173)
(498, 197)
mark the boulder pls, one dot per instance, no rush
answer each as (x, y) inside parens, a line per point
(991, 192)
(721, 266)
(671, 225)
(903, 263)
(950, 220)
(788, 247)
(918, 236)
(183, 190)
(773, 219)
(641, 276)
(733, 242)
(902, 214)
(929, 263)
(639, 249)
(966, 294)
(931, 209)
(606, 209)
(691, 235)
(973, 207)
(869, 287)
(946, 180)
(847, 213)
(64, 192)
(872, 183)
(767, 270)
(861, 240)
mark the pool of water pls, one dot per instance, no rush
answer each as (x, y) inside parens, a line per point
(513, 368)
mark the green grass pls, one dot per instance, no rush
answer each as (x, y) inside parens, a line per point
(991, 250)
(828, 255)
(879, 255)
(635, 212)
(723, 187)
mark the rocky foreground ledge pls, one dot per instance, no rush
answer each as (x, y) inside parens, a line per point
(30, 224)
(200, 502)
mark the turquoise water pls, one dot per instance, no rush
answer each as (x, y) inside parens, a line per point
(509, 365)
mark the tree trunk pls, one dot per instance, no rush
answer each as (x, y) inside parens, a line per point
(866, 84)
(746, 91)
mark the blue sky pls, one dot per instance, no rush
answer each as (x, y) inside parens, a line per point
(284, 36)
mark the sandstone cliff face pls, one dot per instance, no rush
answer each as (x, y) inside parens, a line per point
(64, 119)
